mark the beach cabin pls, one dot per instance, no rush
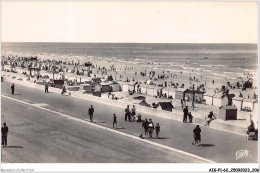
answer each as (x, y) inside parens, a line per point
(131, 86)
(208, 97)
(222, 100)
(150, 89)
(228, 113)
(238, 102)
(179, 93)
(172, 92)
(87, 88)
(157, 91)
(250, 103)
(105, 87)
(165, 91)
(166, 106)
(123, 86)
(115, 87)
(58, 83)
(97, 87)
(198, 95)
(143, 88)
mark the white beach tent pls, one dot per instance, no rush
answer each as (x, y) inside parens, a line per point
(143, 88)
(172, 92)
(251, 103)
(131, 86)
(238, 102)
(165, 91)
(124, 86)
(157, 91)
(222, 100)
(208, 97)
(150, 90)
(179, 93)
(219, 100)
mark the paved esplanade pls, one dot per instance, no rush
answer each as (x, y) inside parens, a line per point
(219, 146)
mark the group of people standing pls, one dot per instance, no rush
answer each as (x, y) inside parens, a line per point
(187, 114)
(149, 127)
(130, 114)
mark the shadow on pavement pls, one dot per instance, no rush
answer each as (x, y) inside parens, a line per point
(142, 137)
(98, 122)
(120, 128)
(207, 145)
(14, 147)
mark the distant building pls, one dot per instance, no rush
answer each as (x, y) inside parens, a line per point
(166, 106)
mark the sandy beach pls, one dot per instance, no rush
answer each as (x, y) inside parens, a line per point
(179, 74)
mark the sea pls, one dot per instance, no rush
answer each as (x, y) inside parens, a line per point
(220, 59)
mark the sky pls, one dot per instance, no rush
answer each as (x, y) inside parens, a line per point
(131, 22)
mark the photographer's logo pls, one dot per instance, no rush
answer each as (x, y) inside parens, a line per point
(241, 153)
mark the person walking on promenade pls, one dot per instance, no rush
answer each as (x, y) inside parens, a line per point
(209, 119)
(12, 88)
(185, 114)
(157, 130)
(91, 112)
(114, 121)
(196, 135)
(181, 104)
(151, 128)
(133, 111)
(190, 117)
(145, 126)
(46, 87)
(127, 113)
(4, 131)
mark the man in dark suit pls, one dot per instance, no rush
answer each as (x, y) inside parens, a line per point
(185, 114)
(4, 131)
(91, 112)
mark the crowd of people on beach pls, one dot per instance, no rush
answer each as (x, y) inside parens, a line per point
(130, 114)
